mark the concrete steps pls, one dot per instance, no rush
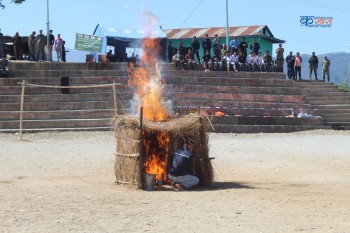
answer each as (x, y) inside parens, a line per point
(253, 96)
(329, 102)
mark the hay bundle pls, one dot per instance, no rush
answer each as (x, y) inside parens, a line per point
(131, 154)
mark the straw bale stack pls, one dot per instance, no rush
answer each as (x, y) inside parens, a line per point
(129, 164)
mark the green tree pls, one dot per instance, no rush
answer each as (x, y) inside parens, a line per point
(12, 1)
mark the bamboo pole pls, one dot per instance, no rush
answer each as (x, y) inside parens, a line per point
(141, 155)
(21, 113)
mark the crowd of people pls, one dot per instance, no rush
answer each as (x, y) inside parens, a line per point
(294, 66)
(233, 59)
(39, 49)
(236, 58)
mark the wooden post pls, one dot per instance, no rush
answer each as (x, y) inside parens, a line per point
(141, 157)
(21, 113)
(115, 100)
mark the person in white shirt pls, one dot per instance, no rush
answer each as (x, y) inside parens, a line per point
(232, 63)
(260, 62)
(253, 62)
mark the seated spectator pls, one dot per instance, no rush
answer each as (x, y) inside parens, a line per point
(260, 62)
(4, 63)
(233, 62)
(223, 50)
(217, 62)
(242, 62)
(189, 59)
(252, 62)
(226, 60)
(268, 61)
(206, 60)
(109, 56)
(178, 59)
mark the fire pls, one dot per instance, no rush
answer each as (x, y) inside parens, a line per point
(157, 154)
(147, 78)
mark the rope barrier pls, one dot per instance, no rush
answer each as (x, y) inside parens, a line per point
(73, 87)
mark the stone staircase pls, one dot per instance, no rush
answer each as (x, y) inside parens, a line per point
(252, 102)
(49, 109)
(328, 101)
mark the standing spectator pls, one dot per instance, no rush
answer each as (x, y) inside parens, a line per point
(313, 65)
(1, 44)
(195, 48)
(189, 58)
(49, 49)
(325, 68)
(63, 51)
(181, 48)
(290, 65)
(31, 45)
(243, 47)
(255, 47)
(280, 58)
(289, 68)
(267, 61)
(17, 46)
(206, 44)
(234, 45)
(216, 44)
(297, 66)
(206, 60)
(58, 46)
(170, 51)
(41, 42)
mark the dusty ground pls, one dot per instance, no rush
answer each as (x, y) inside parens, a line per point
(60, 182)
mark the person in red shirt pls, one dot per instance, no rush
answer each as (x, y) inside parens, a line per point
(189, 59)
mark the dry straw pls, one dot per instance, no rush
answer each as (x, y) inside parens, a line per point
(129, 155)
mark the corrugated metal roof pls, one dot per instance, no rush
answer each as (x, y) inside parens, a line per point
(247, 31)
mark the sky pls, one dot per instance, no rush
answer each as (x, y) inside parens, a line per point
(68, 17)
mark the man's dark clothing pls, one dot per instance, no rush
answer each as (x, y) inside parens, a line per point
(206, 45)
(182, 50)
(255, 47)
(243, 47)
(17, 46)
(170, 53)
(195, 49)
(182, 163)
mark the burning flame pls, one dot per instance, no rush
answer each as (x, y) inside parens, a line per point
(157, 155)
(147, 79)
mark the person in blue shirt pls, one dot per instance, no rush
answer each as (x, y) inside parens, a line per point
(182, 168)
(234, 45)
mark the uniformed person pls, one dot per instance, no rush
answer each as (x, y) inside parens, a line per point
(31, 45)
(41, 42)
(325, 67)
(280, 58)
(313, 64)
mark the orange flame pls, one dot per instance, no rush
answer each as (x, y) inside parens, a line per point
(147, 79)
(157, 156)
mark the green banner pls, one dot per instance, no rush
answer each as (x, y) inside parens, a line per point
(88, 43)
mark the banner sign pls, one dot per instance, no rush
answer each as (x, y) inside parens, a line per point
(88, 43)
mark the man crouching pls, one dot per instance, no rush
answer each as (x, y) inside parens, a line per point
(182, 168)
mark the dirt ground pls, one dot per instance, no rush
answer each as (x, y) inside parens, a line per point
(61, 182)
